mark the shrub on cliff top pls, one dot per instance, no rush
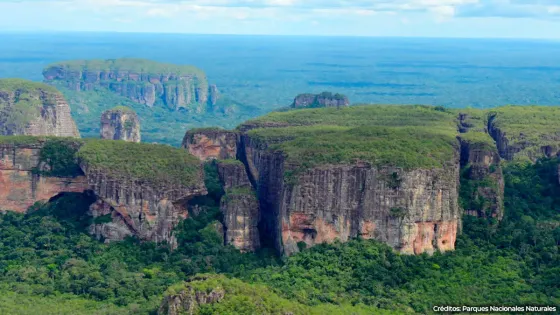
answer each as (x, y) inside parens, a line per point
(59, 157)
(130, 64)
(365, 115)
(124, 109)
(401, 136)
(25, 85)
(534, 125)
(152, 163)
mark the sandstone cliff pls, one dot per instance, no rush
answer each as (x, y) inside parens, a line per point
(304, 201)
(240, 207)
(211, 143)
(413, 211)
(30, 108)
(143, 81)
(142, 189)
(21, 180)
(525, 132)
(325, 99)
(120, 123)
(482, 182)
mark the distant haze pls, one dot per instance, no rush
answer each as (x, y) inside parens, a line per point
(411, 18)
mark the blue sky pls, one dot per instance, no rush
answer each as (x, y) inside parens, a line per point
(426, 18)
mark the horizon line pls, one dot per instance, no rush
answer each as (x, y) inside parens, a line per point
(39, 32)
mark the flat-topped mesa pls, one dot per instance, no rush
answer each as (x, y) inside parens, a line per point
(142, 188)
(240, 207)
(120, 123)
(325, 99)
(143, 81)
(356, 172)
(525, 132)
(36, 109)
(211, 143)
(28, 173)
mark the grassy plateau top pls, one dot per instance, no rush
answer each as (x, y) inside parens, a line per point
(401, 136)
(128, 65)
(153, 163)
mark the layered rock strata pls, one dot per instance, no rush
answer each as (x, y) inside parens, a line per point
(22, 185)
(482, 177)
(325, 99)
(137, 208)
(120, 123)
(413, 211)
(240, 207)
(36, 109)
(211, 143)
(142, 81)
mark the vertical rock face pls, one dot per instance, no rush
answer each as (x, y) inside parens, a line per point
(189, 298)
(143, 81)
(137, 208)
(529, 135)
(413, 211)
(30, 108)
(20, 183)
(120, 123)
(212, 143)
(482, 180)
(239, 206)
(325, 99)
(142, 189)
(483, 176)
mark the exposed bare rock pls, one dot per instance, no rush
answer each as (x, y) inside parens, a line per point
(21, 184)
(140, 209)
(413, 211)
(239, 206)
(232, 174)
(120, 123)
(532, 142)
(325, 99)
(144, 187)
(142, 81)
(211, 143)
(31, 108)
(483, 177)
(189, 297)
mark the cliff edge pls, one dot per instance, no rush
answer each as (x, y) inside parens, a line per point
(36, 109)
(143, 81)
(120, 123)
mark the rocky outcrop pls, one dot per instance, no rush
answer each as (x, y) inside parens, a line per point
(413, 211)
(126, 205)
(214, 94)
(483, 179)
(138, 208)
(120, 123)
(325, 99)
(188, 298)
(514, 144)
(21, 182)
(240, 207)
(31, 108)
(143, 81)
(211, 143)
